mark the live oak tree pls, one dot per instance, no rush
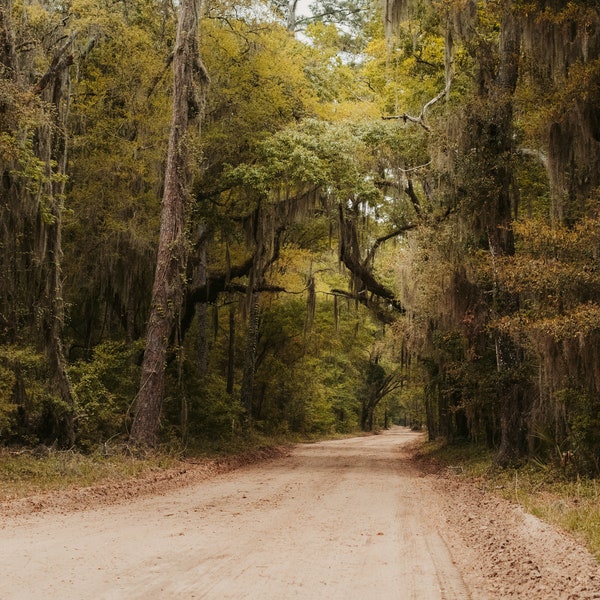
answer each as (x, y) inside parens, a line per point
(514, 154)
(455, 236)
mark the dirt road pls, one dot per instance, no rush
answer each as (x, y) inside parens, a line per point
(343, 519)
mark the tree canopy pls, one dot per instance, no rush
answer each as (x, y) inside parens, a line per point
(387, 214)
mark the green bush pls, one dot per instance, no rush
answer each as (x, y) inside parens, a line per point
(24, 394)
(104, 389)
(583, 414)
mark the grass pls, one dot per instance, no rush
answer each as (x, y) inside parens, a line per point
(546, 491)
(573, 505)
(26, 473)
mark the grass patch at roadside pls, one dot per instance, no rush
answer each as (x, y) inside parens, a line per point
(547, 491)
(29, 472)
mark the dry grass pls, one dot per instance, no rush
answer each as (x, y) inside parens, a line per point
(546, 491)
(29, 472)
(573, 505)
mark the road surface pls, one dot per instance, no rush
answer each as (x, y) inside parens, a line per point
(333, 520)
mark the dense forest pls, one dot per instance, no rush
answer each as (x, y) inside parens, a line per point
(220, 216)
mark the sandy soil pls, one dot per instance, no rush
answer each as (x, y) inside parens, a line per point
(342, 519)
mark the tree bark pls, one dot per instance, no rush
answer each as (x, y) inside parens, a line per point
(52, 149)
(247, 390)
(231, 351)
(189, 78)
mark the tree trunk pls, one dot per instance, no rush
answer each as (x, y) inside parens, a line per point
(53, 329)
(364, 415)
(496, 128)
(250, 354)
(432, 431)
(200, 280)
(511, 396)
(510, 393)
(291, 15)
(52, 149)
(7, 40)
(231, 351)
(189, 78)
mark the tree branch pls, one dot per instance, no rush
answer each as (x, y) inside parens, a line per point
(409, 190)
(385, 238)
(365, 281)
(61, 61)
(384, 316)
(420, 120)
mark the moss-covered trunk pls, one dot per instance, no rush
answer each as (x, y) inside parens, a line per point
(171, 261)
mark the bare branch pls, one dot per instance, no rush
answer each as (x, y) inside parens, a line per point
(406, 117)
(420, 120)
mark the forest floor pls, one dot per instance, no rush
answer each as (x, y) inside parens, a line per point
(353, 518)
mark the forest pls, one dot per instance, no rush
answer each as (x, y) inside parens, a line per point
(218, 217)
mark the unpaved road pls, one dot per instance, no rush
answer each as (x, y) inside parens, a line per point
(342, 519)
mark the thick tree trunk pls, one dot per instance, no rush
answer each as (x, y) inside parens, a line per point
(171, 261)
(501, 236)
(367, 415)
(486, 171)
(511, 400)
(489, 129)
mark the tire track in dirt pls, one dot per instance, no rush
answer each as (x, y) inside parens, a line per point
(342, 519)
(334, 519)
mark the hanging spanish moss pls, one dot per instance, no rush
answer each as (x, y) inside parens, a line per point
(562, 49)
(311, 303)
(336, 313)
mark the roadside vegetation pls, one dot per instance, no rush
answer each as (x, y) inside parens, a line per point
(551, 490)
(26, 472)
(381, 213)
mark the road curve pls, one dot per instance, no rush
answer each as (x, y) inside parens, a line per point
(340, 519)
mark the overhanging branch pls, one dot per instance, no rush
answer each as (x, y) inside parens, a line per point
(420, 120)
(379, 309)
